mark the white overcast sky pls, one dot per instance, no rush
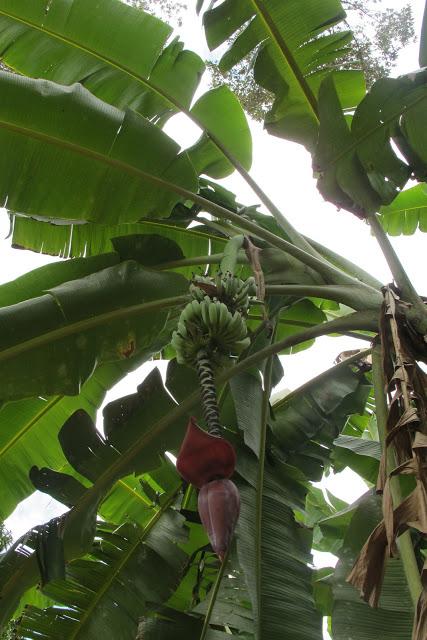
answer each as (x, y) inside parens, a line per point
(283, 169)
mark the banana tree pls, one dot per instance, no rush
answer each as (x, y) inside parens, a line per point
(159, 259)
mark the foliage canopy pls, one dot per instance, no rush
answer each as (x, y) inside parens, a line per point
(89, 174)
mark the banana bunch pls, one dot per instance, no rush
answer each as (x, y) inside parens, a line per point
(202, 286)
(208, 324)
(229, 289)
(236, 292)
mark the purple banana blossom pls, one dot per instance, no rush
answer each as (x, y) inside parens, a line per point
(219, 507)
(207, 462)
(204, 457)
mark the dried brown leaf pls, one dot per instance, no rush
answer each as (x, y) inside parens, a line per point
(252, 254)
(388, 514)
(382, 473)
(367, 574)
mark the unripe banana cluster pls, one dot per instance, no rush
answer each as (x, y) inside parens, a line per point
(208, 323)
(234, 292)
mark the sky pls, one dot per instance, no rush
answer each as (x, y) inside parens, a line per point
(283, 169)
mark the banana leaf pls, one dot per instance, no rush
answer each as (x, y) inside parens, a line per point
(67, 154)
(407, 212)
(72, 42)
(107, 591)
(357, 167)
(52, 343)
(135, 69)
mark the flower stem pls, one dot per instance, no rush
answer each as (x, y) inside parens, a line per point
(214, 595)
(208, 392)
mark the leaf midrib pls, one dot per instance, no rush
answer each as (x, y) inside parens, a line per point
(89, 323)
(385, 214)
(286, 53)
(268, 372)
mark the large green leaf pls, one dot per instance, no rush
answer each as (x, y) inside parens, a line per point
(107, 592)
(247, 392)
(89, 453)
(407, 212)
(351, 617)
(273, 550)
(360, 454)
(72, 41)
(358, 168)
(134, 70)
(29, 430)
(124, 420)
(293, 56)
(170, 624)
(67, 154)
(52, 343)
(25, 424)
(318, 510)
(232, 132)
(284, 597)
(307, 422)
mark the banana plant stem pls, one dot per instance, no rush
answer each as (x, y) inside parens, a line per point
(215, 258)
(399, 274)
(342, 263)
(404, 542)
(300, 323)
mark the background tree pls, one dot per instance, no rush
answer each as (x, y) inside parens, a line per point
(379, 35)
(169, 10)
